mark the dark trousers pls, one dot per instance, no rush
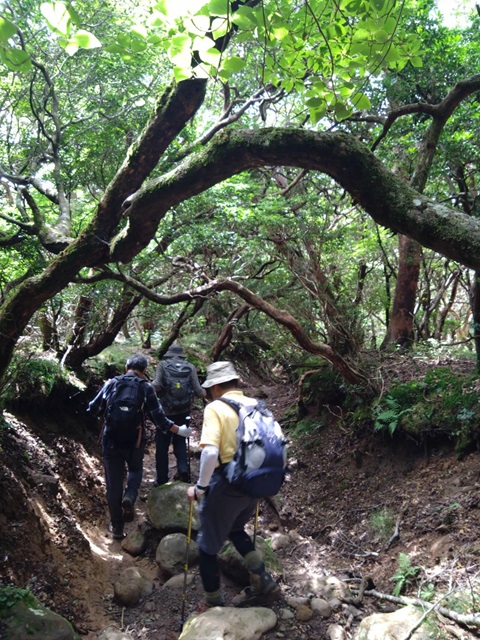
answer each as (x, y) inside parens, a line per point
(162, 445)
(223, 513)
(115, 460)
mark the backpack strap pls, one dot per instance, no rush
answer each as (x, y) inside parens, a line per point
(232, 403)
(236, 406)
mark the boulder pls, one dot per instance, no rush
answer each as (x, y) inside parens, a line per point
(168, 508)
(28, 618)
(222, 623)
(135, 543)
(392, 626)
(171, 551)
(132, 586)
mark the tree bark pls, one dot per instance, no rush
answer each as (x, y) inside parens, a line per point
(76, 356)
(386, 198)
(401, 327)
(225, 337)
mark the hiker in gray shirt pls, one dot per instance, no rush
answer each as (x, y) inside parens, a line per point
(175, 382)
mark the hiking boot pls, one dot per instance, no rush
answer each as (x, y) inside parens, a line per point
(214, 599)
(205, 606)
(184, 477)
(128, 510)
(262, 584)
(117, 531)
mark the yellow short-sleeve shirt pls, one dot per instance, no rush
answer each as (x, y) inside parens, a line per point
(220, 424)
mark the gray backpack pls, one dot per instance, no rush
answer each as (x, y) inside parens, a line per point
(177, 389)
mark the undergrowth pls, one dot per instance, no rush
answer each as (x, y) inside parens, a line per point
(441, 404)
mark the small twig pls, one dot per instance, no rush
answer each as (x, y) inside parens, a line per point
(396, 533)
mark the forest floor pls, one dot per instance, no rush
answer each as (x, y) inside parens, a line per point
(344, 497)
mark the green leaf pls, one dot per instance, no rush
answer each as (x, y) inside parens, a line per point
(392, 55)
(342, 111)
(317, 113)
(85, 40)
(381, 36)
(179, 51)
(280, 32)
(16, 59)
(180, 73)
(244, 17)
(202, 44)
(416, 61)
(114, 48)
(71, 46)
(314, 103)
(219, 7)
(180, 43)
(57, 16)
(233, 64)
(361, 101)
(200, 25)
(7, 30)
(211, 56)
(360, 35)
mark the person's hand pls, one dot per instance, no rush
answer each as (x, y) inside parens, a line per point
(184, 431)
(194, 493)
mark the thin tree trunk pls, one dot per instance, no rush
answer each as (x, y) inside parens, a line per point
(225, 337)
(187, 313)
(75, 357)
(475, 302)
(400, 330)
(401, 327)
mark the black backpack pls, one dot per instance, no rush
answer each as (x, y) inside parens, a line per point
(124, 410)
(177, 389)
(259, 465)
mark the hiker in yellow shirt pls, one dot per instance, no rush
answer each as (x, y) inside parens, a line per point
(224, 510)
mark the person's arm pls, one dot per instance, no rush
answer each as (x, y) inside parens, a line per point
(97, 405)
(210, 443)
(197, 387)
(157, 380)
(157, 415)
(208, 462)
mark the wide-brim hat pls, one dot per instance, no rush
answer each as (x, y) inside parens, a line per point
(175, 351)
(220, 372)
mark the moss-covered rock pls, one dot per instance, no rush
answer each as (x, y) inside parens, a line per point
(28, 618)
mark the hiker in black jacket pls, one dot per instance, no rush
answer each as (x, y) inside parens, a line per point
(176, 382)
(118, 451)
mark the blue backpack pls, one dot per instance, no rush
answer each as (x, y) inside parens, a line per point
(259, 464)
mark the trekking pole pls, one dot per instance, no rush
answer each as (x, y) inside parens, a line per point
(187, 422)
(255, 525)
(185, 566)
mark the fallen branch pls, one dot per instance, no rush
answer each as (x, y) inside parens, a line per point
(472, 619)
(422, 618)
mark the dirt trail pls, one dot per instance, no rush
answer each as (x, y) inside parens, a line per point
(57, 542)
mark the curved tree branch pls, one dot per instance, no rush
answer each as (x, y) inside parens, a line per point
(284, 318)
(440, 111)
(385, 197)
